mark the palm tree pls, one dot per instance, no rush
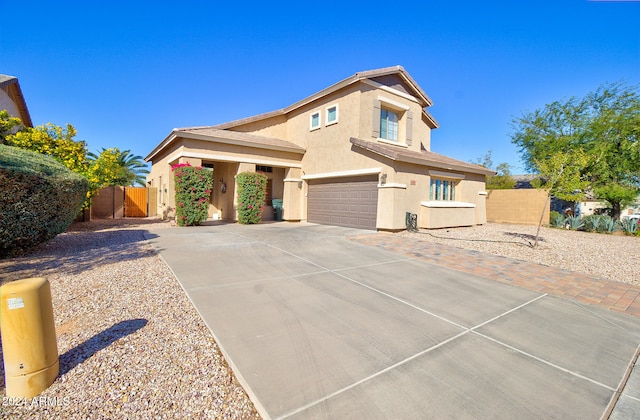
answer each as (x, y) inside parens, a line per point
(134, 166)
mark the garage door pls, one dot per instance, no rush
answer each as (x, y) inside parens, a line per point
(349, 202)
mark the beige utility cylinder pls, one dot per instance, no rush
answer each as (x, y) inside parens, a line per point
(29, 345)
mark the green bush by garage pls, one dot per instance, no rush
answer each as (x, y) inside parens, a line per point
(39, 198)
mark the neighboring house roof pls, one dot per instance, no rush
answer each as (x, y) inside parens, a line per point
(364, 76)
(229, 137)
(10, 85)
(424, 157)
(523, 181)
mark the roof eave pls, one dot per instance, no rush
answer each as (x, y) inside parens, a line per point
(433, 124)
(164, 143)
(422, 160)
(15, 92)
(180, 133)
(357, 77)
(240, 142)
(446, 166)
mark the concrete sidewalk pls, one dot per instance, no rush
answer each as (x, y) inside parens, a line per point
(319, 326)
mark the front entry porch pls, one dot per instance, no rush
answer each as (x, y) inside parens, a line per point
(282, 184)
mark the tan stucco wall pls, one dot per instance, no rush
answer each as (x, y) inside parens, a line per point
(436, 218)
(420, 131)
(416, 181)
(392, 199)
(234, 153)
(328, 148)
(222, 202)
(271, 127)
(472, 190)
(8, 104)
(517, 206)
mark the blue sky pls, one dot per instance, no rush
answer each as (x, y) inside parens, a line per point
(126, 73)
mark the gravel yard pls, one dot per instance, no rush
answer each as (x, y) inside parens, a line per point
(612, 257)
(132, 345)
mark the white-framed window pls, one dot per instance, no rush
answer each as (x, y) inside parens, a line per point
(442, 190)
(314, 120)
(388, 124)
(392, 122)
(332, 114)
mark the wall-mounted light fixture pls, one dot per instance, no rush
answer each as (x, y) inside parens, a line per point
(300, 184)
(383, 179)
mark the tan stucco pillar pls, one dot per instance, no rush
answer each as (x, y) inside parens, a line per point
(293, 197)
(481, 208)
(391, 207)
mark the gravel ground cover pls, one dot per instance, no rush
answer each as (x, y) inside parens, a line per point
(609, 256)
(131, 343)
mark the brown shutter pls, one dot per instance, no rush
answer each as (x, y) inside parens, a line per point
(409, 129)
(376, 119)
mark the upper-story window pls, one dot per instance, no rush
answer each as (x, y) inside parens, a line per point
(314, 121)
(332, 114)
(388, 125)
(392, 121)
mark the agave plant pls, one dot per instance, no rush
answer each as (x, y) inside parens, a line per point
(574, 222)
(594, 223)
(610, 224)
(558, 222)
(629, 225)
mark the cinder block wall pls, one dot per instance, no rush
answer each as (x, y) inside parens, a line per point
(108, 203)
(517, 206)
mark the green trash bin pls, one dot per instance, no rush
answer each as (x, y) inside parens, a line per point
(277, 209)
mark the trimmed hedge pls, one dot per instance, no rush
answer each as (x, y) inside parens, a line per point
(193, 189)
(252, 191)
(39, 198)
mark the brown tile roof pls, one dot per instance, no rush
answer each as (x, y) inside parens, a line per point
(424, 158)
(224, 136)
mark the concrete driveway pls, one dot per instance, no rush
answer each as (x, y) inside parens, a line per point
(317, 326)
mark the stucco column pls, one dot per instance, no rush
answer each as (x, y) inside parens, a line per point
(391, 206)
(292, 199)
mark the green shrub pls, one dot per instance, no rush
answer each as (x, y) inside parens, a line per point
(252, 191)
(193, 189)
(556, 219)
(39, 198)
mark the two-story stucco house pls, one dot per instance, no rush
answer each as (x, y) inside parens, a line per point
(355, 154)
